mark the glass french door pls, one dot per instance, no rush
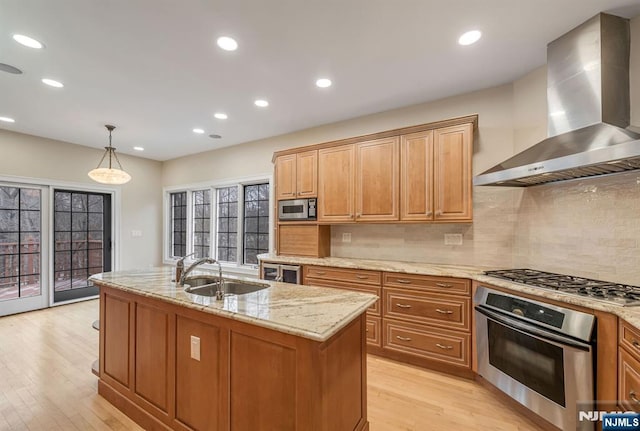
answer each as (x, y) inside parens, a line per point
(82, 242)
(22, 215)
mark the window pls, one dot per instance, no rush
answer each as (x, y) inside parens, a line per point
(19, 242)
(230, 223)
(178, 224)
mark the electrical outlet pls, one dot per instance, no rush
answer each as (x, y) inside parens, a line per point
(195, 348)
(346, 237)
(452, 239)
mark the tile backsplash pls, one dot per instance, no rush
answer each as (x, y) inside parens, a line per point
(589, 228)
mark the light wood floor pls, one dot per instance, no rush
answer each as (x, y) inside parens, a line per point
(46, 384)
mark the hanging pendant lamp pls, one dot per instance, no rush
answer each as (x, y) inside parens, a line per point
(109, 175)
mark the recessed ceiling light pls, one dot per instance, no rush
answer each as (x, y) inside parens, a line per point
(261, 103)
(10, 69)
(138, 148)
(198, 131)
(470, 37)
(52, 82)
(27, 41)
(220, 115)
(323, 82)
(7, 120)
(214, 136)
(227, 43)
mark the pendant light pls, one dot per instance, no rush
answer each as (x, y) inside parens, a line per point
(110, 175)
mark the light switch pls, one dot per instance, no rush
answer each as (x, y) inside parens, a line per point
(136, 233)
(195, 348)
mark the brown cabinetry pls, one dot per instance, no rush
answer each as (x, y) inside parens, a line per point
(336, 184)
(629, 367)
(416, 184)
(377, 180)
(303, 240)
(297, 175)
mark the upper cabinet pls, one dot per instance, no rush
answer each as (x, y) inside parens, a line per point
(377, 180)
(414, 174)
(336, 184)
(436, 174)
(297, 175)
(452, 147)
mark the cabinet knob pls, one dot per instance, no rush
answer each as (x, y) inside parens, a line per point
(636, 344)
(633, 397)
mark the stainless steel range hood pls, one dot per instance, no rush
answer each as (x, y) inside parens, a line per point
(588, 110)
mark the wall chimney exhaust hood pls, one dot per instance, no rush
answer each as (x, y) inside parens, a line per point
(588, 110)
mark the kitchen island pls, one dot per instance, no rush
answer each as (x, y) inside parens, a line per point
(287, 357)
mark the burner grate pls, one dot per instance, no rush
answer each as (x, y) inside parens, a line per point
(604, 290)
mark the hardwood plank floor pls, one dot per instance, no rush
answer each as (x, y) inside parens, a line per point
(46, 384)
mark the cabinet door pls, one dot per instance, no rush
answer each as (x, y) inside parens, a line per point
(307, 174)
(416, 183)
(452, 179)
(286, 177)
(377, 174)
(336, 184)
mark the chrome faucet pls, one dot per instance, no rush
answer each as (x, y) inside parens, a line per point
(220, 288)
(180, 267)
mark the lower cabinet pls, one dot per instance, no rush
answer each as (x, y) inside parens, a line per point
(628, 367)
(423, 320)
(174, 368)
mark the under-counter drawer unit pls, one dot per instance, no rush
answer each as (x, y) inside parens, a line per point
(628, 381)
(444, 285)
(375, 309)
(629, 338)
(429, 308)
(360, 276)
(449, 347)
(374, 334)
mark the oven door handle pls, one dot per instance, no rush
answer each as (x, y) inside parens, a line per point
(532, 330)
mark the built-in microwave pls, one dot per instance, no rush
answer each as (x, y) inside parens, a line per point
(297, 209)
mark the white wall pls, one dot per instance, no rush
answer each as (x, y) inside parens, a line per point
(141, 199)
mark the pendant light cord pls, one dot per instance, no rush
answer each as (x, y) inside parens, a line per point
(111, 151)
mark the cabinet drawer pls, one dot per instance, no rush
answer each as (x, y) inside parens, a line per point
(437, 344)
(340, 274)
(629, 337)
(628, 381)
(418, 307)
(374, 310)
(445, 285)
(374, 337)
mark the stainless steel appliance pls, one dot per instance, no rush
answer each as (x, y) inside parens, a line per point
(620, 294)
(539, 354)
(279, 272)
(297, 209)
(588, 104)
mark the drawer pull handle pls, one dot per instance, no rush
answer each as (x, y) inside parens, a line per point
(403, 305)
(444, 311)
(320, 272)
(632, 396)
(403, 338)
(367, 330)
(444, 285)
(403, 281)
(362, 277)
(636, 344)
(443, 347)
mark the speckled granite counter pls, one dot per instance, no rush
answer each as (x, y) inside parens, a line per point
(311, 312)
(630, 314)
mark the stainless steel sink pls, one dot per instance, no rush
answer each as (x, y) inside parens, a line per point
(208, 285)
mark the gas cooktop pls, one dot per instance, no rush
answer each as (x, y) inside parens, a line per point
(620, 294)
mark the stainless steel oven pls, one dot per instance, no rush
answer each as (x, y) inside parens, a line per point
(539, 354)
(297, 209)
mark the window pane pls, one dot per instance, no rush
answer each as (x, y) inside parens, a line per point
(227, 223)
(256, 222)
(178, 224)
(201, 222)
(30, 199)
(9, 197)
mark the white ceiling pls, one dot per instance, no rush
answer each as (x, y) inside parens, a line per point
(152, 68)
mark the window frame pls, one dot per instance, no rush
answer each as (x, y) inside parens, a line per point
(229, 267)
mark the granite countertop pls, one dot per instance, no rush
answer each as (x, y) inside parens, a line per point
(316, 313)
(630, 314)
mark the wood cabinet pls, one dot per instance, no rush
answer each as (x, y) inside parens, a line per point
(246, 377)
(629, 367)
(377, 180)
(336, 184)
(304, 240)
(452, 194)
(297, 175)
(416, 184)
(357, 280)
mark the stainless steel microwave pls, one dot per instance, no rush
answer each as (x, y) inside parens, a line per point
(297, 209)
